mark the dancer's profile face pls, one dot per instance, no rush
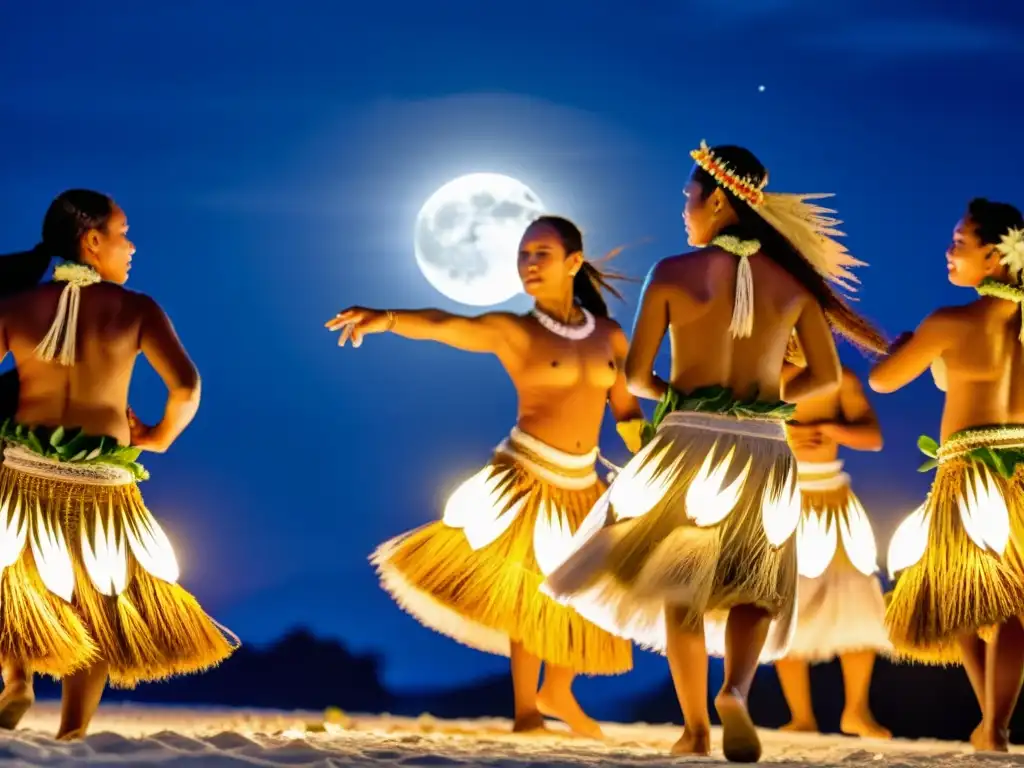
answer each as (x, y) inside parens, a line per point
(968, 260)
(700, 215)
(108, 250)
(545, 268)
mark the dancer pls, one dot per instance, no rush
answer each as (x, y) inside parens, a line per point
(474, 576)
(840, 608)
(959, 568)
(697, 529)
(89, 586)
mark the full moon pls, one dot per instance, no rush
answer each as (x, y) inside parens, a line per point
(467, 237)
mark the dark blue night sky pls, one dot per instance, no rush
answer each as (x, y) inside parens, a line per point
(272, 157)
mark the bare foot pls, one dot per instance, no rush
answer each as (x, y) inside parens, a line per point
(739, 736)
(800, 726)
(693, 742)
(863, 724)
(978, 736)
(15, 700)
(75, 735)
(531, 723)
(562, 705)
(990, 740)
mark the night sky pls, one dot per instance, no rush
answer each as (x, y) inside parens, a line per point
(272, 157)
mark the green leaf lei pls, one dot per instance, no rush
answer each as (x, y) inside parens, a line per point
(1002, 461)
(74, 447)
(718, 400)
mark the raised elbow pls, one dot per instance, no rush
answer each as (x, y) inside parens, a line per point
(189, 387)
(875, 443)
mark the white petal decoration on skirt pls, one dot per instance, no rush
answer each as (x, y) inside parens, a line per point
(859, 538)
(13, 530)
(815, 543)
(909, 542)
(709, 499)
(983, 511)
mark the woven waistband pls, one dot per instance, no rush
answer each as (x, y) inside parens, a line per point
(764, 429)
(963, 442)
(21, 459)
(821, 475)
(565, 470)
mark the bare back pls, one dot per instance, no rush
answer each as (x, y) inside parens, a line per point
(114, 325)
(563, 385)
(699, 292)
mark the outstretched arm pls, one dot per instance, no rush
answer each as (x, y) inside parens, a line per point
(648, 331)
(859, 428)
(823, 371)
(911, 355)
(163, 349)
(491, 333)
(625, 407)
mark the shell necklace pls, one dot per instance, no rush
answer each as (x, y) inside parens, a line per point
(571, 332)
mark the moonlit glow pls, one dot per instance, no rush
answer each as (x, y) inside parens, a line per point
(467, 237)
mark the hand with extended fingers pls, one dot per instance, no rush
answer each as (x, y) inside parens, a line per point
(357, 322)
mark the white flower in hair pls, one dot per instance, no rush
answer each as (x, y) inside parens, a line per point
(1011, 246)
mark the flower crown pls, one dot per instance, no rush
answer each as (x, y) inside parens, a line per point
(1011, 246)
(747, 189)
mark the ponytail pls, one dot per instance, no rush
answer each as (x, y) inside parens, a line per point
(589, 286)
(21, 271)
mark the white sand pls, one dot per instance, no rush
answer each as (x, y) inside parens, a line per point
(131, 735)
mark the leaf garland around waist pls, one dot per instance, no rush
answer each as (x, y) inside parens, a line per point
(73, 446)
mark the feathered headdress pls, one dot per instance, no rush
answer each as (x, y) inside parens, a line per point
(808, 227)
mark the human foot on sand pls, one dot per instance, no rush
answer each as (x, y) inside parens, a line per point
(863, 724)
(15, 700)
(693, 742)
(532, 722)
(800, 726)
(562, 705)
(740, 742)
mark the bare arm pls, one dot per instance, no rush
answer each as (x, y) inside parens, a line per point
(494, 332)
(823, 371)
(489, 333)
(163, 349)
(859, 428)
(624, 405)
(909, 359)
(648, 331)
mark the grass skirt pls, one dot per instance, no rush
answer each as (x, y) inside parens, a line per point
(957, 570)
(88, 576)
(701, 519)
(475, 575)
(840, 607)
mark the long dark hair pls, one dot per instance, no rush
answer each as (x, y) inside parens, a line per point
(69, 217)
(591, 282)
(750, 225)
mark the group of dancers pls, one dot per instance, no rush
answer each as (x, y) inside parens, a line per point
(732, 530)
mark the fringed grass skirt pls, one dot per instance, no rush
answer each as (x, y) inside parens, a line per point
(954, 557)
(475, 575)
(701, 519)
(89, 576)
(840, 607)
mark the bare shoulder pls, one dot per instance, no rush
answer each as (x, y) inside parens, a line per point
(611, 330)
(953, 318)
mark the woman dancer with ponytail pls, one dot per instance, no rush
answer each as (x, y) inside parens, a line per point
(88, 591)
(475, 575)
(694, 549)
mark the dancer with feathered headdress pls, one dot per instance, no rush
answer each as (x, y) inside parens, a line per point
(691, 549)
